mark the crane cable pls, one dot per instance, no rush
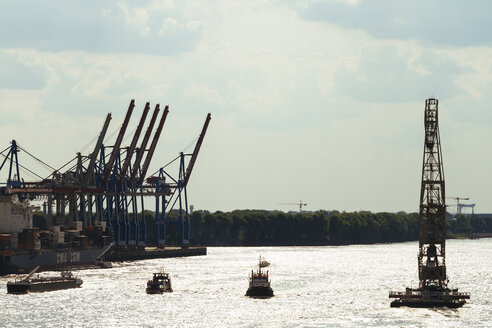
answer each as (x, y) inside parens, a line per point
(28, 153)
(23, 167)
(172, 161)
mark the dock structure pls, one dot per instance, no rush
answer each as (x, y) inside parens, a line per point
(433, 288)
(106, 188)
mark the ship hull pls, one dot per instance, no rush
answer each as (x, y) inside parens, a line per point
(24, 262)
(24, 287)
(259, 291)
(429, 298)
(153, 290)
(121, 254)
(427, 304)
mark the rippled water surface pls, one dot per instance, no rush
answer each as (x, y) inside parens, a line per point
(345, 286)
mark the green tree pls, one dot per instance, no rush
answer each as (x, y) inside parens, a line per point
(39, 220)
(463, 224)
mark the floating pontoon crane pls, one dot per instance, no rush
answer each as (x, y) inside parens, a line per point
(433, 290)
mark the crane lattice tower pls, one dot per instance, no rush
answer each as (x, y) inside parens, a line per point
(432, 241)
(433, 289)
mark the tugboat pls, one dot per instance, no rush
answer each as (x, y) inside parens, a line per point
(160, 283)
(38, 284)
(259, 285)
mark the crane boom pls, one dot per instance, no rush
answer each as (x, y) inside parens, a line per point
(131, 150)
(300, 204)
(90, 168)
(153, 145)
(29, 275)
(116, 148)
(196, 150)
(144, 142)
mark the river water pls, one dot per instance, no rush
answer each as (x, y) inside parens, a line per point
(343, 286)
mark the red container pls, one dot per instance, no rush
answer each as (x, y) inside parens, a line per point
(84, 241)
(4, 241)
(5, 252)
(4, 236)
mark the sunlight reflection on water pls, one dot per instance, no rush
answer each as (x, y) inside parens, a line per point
(345, 286)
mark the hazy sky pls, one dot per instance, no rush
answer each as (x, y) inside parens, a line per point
(315, 100)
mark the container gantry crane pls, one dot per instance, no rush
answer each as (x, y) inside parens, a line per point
(176, 192)
(104, 190)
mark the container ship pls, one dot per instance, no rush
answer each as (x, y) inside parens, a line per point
(23, 247)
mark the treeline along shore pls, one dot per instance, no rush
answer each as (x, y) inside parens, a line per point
(275, 228)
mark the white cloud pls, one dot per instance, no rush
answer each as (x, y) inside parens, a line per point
(352, 2)
(18, 107)
(136, 17)
(203, 92)
(169, 24)
(477, 66)
(300, 109)
(162, 5)
(400, 21)
(459, 24)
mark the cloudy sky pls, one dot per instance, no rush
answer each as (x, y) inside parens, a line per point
(319, 101)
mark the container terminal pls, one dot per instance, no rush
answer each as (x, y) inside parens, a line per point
(433, 290)
(95, 202)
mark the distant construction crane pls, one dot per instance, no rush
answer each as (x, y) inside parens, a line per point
(467, 205)
(300, 204)
(458, 204)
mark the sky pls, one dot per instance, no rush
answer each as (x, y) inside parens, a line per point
(319, 101)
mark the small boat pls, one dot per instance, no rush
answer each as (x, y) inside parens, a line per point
(38, 284)
(259, 284)
(160, 283)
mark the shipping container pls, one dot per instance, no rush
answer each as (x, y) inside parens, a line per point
(6, 252)
(4, 236)
(83, 240)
